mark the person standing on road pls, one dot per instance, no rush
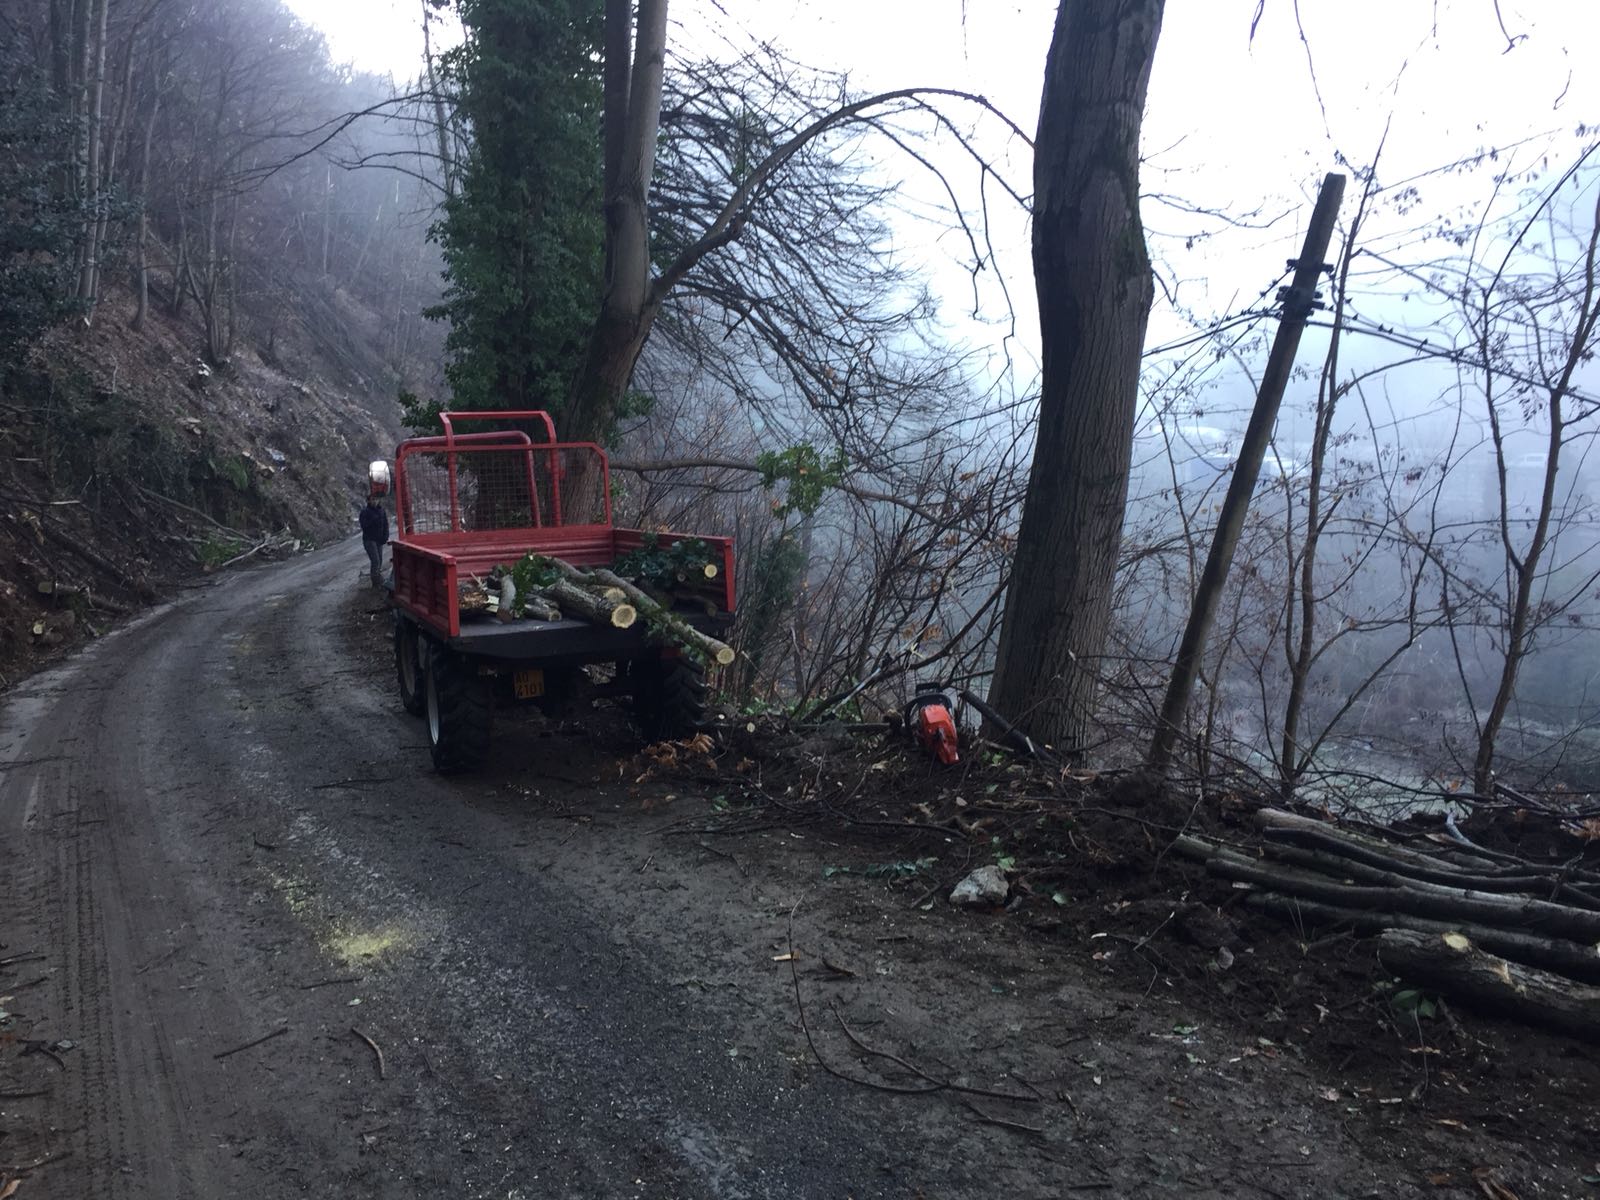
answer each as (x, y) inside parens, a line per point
(374, 536)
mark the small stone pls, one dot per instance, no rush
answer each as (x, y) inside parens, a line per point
(985, 887)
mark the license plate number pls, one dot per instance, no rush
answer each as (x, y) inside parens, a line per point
(529, 684)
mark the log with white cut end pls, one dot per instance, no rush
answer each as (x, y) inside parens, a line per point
(1575, 960)
(592, 606)
(1451, 964)
(673, 627)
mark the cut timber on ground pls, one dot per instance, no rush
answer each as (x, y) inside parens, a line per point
(1451, 964)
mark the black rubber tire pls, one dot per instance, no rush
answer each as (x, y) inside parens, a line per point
(671, 698)
(460, 708)
(408, 668)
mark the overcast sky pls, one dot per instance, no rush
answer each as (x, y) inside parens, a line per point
(1244, 115)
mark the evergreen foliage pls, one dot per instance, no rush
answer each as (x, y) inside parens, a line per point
(655, 565)
(522, 237)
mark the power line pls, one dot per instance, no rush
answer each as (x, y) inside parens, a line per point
(1460, 358)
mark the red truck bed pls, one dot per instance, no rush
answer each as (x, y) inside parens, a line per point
(426, 575)
(468, 502)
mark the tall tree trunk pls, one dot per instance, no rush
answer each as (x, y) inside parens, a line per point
(142, 236)
(60, 47)
(447, 167)
(629, 304)
(1093, 278)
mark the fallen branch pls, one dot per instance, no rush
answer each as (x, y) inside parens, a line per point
(805, 1027)
(1339, 867)
(1283, 826)
(48, 528)
(239, 558)
(376, 1049)
(1001, 1121)
(934, 1083)
(1425, 901)
(1577, 962)
(266, 1037)
(192, 511)
(1451, 964)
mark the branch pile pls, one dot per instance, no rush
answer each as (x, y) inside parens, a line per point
(542, 588)
(1490, 928)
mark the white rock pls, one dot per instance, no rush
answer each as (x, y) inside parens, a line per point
(985, 886)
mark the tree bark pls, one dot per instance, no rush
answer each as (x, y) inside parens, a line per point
(95, 60)
(141, 274)
(1093, 279)
(1423, 900)
(1287, 826)
(628, 306)
(590, 605)
(1451, 964)
(1566, 958)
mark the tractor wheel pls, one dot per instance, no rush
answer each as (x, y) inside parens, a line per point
(408, 667)
(671, 699)
(460, 707)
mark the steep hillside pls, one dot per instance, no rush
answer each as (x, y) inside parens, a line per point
(128, 465)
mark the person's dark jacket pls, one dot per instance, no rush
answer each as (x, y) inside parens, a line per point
(374, 524)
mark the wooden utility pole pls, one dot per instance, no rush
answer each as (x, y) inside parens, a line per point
(1299, 301)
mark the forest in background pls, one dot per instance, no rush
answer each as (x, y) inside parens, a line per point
(1413, 606)
(206, 312)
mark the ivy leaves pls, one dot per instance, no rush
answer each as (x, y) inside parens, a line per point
(808, 474)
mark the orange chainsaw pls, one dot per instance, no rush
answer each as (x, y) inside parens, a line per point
(930, 716)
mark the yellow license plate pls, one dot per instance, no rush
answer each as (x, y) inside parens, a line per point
(528, 684)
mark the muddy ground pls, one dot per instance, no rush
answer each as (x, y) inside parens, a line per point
(593, 972)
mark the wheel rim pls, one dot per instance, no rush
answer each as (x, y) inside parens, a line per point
(432, 690)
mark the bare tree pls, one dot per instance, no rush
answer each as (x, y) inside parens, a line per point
(1095, 291)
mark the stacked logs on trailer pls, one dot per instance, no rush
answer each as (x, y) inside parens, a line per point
(647, 584)
(1499, 932)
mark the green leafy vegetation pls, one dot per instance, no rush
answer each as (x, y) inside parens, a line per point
(807, 473)
(522, 236)
(658, 566)
(216, 549)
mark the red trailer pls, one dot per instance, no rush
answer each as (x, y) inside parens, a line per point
(468, 502)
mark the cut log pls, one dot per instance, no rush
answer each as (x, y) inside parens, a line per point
(1339, 867)
(671, 627)
(1451, 904)
(1302, 831)
(1566, 958)
(670, 600)
(1451, 964)
(590, 605)
(540, 608)
(1292, 827)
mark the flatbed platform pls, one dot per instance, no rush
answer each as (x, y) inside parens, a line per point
(567, 639)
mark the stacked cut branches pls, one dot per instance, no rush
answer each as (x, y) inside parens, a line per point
(665, 624)
(1502, 932)
(549, 589)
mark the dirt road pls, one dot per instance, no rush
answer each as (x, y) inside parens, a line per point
(218, 827)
